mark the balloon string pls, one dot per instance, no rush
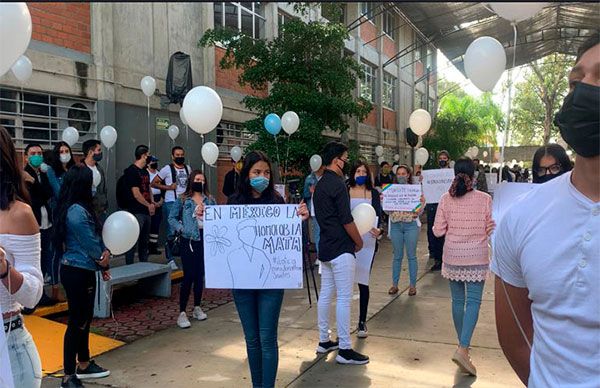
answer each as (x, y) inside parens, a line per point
(148, 121)
(201, 146)
(510, 85)
(287, 155)
(187, 134)
(277, 150)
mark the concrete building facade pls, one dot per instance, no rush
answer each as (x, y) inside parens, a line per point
(89, 58)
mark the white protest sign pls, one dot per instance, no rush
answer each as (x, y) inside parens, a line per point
(280, 187)
(436, 183)
(492, 181)
(252, 246)
(401, 198)
(364, 257)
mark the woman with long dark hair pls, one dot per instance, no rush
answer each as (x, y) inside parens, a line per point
(60, 162)
(361, 190)
(550, 161)
(78, 231)
(404, 232)
(464, 216)
(185, 217)
(259, 309)
(21, 280)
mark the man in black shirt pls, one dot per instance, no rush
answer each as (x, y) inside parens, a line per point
(339, 240)
(137, 179)
(232, 178)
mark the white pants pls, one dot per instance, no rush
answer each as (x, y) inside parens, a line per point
(337, 275)
(24, 360)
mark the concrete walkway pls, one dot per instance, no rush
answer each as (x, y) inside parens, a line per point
(410, 343)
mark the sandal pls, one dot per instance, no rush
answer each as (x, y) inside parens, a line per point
(393, 290)
(412, 291)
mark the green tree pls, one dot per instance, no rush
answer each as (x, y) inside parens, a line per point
(463, 121)
(538, 98)
(304, 71)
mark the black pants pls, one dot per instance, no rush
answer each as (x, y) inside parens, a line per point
(192, 259)
(80, 287)
(364, 295)
(142, 243)
(436, 244)
(155, 221)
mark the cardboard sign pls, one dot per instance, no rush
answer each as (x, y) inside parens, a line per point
(253, 246)
(401, 198)
(436, 183)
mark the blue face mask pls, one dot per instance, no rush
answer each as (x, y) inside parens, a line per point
(361, 180)
(259, 183)
(36, 160)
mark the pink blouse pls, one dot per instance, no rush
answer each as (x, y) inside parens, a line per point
(463, 221)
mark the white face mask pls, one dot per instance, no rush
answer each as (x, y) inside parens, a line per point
(65, 158)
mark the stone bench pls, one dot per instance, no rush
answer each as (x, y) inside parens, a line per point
(154, 278)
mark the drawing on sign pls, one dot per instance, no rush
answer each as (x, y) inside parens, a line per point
(253, 246)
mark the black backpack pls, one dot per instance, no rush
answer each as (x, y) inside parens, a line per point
(123, 193)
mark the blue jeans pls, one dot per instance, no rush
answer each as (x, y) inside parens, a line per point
(166, 208)
(24, 360)
(404, 234)
(465, 315)
(259, 312)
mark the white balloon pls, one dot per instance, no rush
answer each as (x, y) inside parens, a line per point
(15, 33)
(70, 136)
(485, 154)
(108, 135)
(485, 61)
(148, 85)
(513, 162)
(203, 109)
(96, 178)
(182, 117)
(379, 150)
(474, 151)
(315, 162)
(236, 154)
(173, 132)
(22, 68)
(210, 153)
(290, 122)
(380, 160)
(519, 11)
(421, 156)
(451, 164)
(364, 217)
(419, 121)
(120, 232)
(397, 157)
(395, 168)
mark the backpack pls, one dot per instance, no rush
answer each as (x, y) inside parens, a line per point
(123, 193)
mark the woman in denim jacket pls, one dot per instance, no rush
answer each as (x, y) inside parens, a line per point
(78, 231)
(185, 218)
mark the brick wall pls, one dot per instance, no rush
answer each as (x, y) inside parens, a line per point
(419, 69)
(372, 117)
(223, 167)
(389, 46)
(368, 32)
(228, 78)
(389, 119)
(63, 24)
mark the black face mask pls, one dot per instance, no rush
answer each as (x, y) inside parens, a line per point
(198, 187)
(546, 178)
(442, 163)
(179, 160)
(578, 120)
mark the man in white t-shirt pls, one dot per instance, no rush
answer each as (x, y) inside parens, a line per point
(547, 254)
(172, 178)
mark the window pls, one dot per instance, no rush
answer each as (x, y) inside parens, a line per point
(246, 17)
(420, 100)
(366, 9)
(230, 135)
(38, 117)
(388, 96)
(367, 84)
(334, 12)
(389, 24)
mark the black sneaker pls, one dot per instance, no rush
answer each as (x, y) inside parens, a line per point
(72, 382)
(93, 371)
(326, 347)
(350, 357)
(362, 330)
(437, 266)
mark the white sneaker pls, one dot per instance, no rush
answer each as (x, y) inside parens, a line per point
(183, 321)
(199, 314)
(173, 265)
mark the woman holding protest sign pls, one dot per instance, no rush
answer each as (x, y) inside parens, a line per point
(259, 308)
(185, 218)
(404, 232)
(464, 216)
(361, 190)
